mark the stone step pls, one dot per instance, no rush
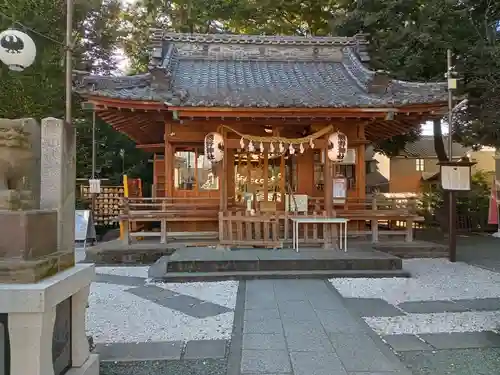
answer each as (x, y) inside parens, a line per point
(289, 274)
(346, 263)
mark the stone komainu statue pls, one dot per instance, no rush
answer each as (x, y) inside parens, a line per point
(17, 158)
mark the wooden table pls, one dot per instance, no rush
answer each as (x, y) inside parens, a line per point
(320, 220)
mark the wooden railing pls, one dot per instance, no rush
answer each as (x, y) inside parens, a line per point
(165, 211)
(238, 227)
(270, 229)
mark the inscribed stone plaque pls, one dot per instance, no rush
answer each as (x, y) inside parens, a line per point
(61, 339)
(4, 346)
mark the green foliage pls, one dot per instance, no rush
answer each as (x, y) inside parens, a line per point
(471, 204)
(38, 92)
(409, 38)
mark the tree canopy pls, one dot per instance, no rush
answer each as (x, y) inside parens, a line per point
(38, 92)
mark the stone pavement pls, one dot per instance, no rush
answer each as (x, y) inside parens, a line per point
(301, 327)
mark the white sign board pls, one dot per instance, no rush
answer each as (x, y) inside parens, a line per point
(455, 177)
(339, 190)
(94, 186)
(84, 226)
(296, 203)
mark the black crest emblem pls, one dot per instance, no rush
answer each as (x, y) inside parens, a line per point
(12, 44)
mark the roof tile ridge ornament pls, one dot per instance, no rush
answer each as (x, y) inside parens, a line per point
(91, 82)
(159, 35)
(161, 69)
(380, 82)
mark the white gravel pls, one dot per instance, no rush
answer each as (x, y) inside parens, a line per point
(115, 315)
(436, 323)
(432, 279)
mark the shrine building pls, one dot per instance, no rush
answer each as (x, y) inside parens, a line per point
(274, 113)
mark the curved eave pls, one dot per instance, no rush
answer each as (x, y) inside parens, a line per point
(105, 102)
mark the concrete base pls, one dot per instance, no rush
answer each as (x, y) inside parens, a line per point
(90, 367)
(31, 314)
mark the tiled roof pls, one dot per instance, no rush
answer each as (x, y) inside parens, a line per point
(257, 71)
(424, 148)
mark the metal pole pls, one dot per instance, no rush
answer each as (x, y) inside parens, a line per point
(93, 159)
(69, 63)
(93, 145)
(452, 198)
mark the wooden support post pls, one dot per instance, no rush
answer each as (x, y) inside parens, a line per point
(409, 230)
(266, 176)
(328, 186)
(169, 159)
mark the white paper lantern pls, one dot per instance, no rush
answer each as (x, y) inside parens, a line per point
(337, 146)
(214, 147)
(17, 49)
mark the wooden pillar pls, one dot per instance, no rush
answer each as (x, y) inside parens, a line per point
(328, 186)
(361, 172)
(169, 160)
(266, 176)
(223, 173)
(361, 164)
(276, 133)
(230, 187)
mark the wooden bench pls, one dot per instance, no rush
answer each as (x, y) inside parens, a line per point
(374, 216)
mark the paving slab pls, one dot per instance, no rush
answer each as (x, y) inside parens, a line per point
(264, 341)
(144, 351)
(188, 305)
(262, 314)
(302, 327)
(265, 361)
(372, 307)
(359, 353)
(200, 349)
(483, 304)
(301, 338)
(429, 307)
(404, 343)
(453, 362)
(316, 363)
(463, 340)
(263, 326)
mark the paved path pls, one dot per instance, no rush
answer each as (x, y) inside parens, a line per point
(301, 327)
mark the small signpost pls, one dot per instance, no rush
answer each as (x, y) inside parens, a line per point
(84, 227)
(455, 176)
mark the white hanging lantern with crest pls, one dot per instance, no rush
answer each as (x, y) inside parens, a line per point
(337, 147)
(17, 49)
(214, 147)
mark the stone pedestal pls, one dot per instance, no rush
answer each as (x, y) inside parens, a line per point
(28, 246)
(46, 324)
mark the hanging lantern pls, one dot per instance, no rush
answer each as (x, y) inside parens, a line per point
(251, 147)
(242, 143)
(282, 147)
(271, 148)
(311, 143)
(337, 146)
(261, 146)
(291, 149)
(17, 49)
(214, 147)
(302, 149)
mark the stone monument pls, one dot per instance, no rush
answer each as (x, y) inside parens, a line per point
(43, 294)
